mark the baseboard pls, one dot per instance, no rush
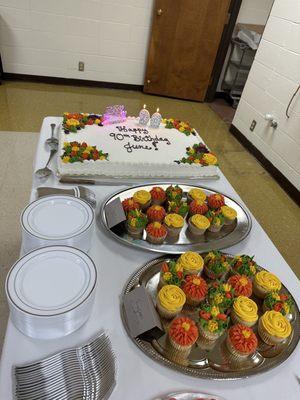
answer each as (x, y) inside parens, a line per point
(69, 81)
(286, 185)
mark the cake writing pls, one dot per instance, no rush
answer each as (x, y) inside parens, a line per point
(153, 140)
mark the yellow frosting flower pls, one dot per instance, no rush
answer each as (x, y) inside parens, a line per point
(246, 334)
(229, 212)
(246, 309)
(200, 221)
(72, 122)
(191, 150)
(178, 267)
(75, 148)
(97, 121)
(268, 281)
(142, 196)
(276, 324)
(181, 129)
(210, 159)
(66, 159)
(174, 220)
(253, 269)
(218, 299)
(191, 261)
(215, 311)
(171, 297)
(102, 158)
(196, 161)
(212, 326)
(197, 194)
(167, 276)
(226, 287)
(186, 326)
(286, 308)
(89, 148)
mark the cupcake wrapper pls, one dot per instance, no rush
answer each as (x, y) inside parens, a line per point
(165, 313)
(145, 206)
(228, 221)
(134, 231)
(154, 239)
(192, 272)
(259, 291)
(212, 275)
(236, 320)
(267, 338)
(194, 230)
(172, 232)
(208, 335)
(192, 301)
(157, 202)
(215, 228)
(173, 353)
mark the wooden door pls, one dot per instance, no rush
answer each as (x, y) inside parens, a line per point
(183, 45)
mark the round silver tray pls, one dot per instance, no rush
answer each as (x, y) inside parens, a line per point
(228, 236)
(207, 360)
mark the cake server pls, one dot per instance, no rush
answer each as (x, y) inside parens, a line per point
(45, 172)
(77, 191)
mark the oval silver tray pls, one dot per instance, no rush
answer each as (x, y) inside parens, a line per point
(228, 236)
(209, 360)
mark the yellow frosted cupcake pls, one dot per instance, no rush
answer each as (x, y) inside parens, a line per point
(229, 215)
(174, 224)
(244, 311)
(169, 301)
(273, 327)
(143, 197)
(265, 282)
(198, 224)
(191, 263)
(196, 194)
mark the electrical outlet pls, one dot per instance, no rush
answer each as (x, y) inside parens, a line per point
(253, 125)
(81, 66)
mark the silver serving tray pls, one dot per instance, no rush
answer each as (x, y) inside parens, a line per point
(189, 396)
(209, 360)
(228, 236)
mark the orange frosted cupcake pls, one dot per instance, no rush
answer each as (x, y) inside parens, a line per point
(215, 201)
(241, 341)
(158, 195)
(130, 204)
(183, 334)
(198, 207)
(156, 233)
(241, 284)
(195, 289)
(156, 213)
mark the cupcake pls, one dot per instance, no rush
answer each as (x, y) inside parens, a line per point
(130, 204)
(158, 195)
(195, 289)
(221, 294)
(174, 224)
(170, 300)
(136, 222)
(241, 284)
(196, 194)
(191, 263)
(244, 311)
(265, 282)
(156, 233)
(273, 327)
(198, 207)
(244, 265)
(278, 302)
(212, 322)
(229, 215)
(216, 220)
(182, 335)
(241, 341)
(156, 213)
(215, 265)
(170, 274)
(178, 207)
(215, 201)
(143, 198)
(174, 193)
(198, 224)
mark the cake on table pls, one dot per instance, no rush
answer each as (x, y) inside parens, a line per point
(115, 145)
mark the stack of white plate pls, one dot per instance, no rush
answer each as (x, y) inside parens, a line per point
(50, 291)
(56, 219)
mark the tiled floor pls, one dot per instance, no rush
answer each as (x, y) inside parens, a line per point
(24, 105)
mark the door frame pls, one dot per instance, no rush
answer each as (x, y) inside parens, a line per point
(233, 12)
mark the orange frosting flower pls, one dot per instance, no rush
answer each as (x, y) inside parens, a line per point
(198, 207)
(242, 338)
(156, 229)
(183, 331)
(130, 204)
(241, 284)
(158, 193)
(215, 201)
(156, 213)
(195, 287)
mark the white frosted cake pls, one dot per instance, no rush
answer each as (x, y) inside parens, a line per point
(129, 149)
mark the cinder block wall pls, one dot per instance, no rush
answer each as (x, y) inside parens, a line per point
(273, 78)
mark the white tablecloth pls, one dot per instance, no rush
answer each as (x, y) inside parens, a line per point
(138, 376)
